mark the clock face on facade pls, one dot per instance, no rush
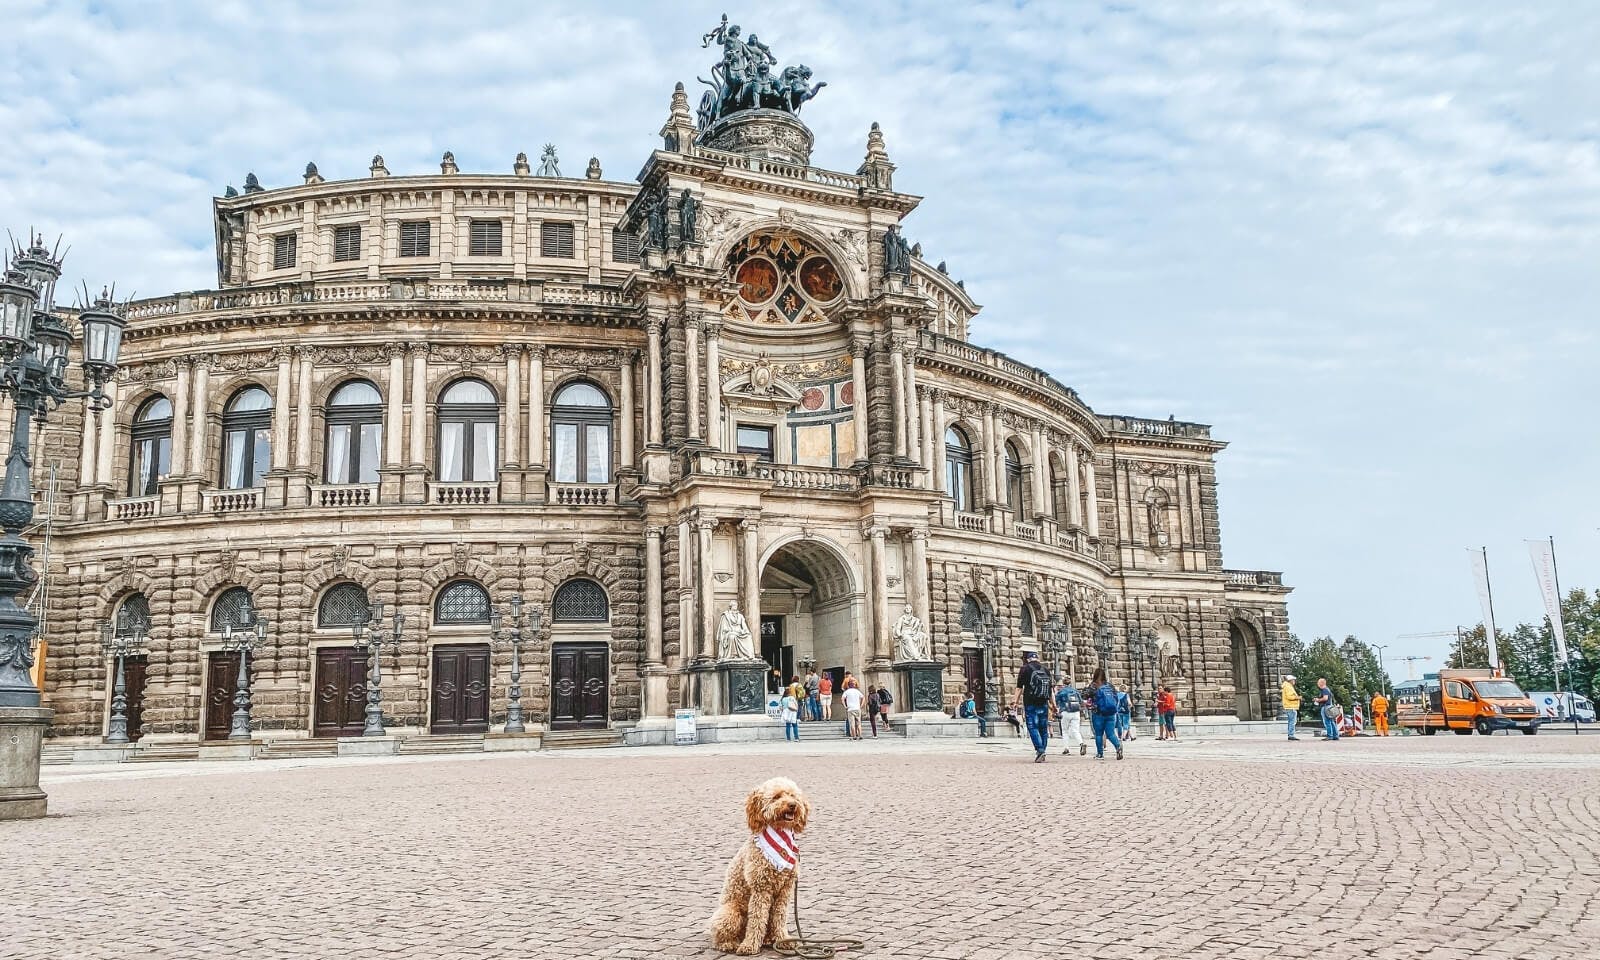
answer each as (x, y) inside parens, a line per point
(782, 279)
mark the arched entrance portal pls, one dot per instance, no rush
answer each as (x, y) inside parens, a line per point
(1249, 695)
(811, 609)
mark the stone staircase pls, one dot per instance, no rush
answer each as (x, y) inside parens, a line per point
(581, 739)
(429, 743)
(823, 730)
(297, 747)
(164, 752)
(54, 756)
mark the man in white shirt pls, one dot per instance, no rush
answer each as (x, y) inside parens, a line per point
(852, 706)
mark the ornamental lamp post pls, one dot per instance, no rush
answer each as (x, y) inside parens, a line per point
(1152, 654)
(1136, 671)
(517, 621)
(1103, 639)
(372, 636)
(119, 647)
(989, 638)
(245, 643)
(1055, 641)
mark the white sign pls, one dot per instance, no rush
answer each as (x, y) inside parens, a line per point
(1544, 570)
(1480, 576)
(683, 724)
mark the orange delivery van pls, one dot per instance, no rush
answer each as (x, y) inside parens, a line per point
(1463, 701)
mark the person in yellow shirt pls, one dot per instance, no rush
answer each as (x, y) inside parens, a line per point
(1380, 714)
(1291, 703)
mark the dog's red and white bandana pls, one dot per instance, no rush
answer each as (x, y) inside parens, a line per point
(778, 846)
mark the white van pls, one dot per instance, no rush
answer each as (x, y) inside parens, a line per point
(1552, 706)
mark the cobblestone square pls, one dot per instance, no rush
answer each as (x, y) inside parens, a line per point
(1434, 848)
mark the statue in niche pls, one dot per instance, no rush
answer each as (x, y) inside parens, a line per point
(1167, 647)
(688, 215)
(910, 638)
(896, 254)
(656, 223)
(1156, 515)
(733, 636)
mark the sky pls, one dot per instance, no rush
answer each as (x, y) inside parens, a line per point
(1361, 240)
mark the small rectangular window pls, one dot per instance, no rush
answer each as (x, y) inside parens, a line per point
(346, 243)
(756, 440)
(483, 238)
(414, 238)
(624, 246)
(283, 251)
(555, 239)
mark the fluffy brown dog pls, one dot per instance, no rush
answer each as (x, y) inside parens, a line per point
(760, 880)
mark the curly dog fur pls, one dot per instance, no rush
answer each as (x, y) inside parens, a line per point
(755, 894)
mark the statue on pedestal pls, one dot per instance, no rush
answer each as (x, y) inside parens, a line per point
(733, 636)
(910, 638)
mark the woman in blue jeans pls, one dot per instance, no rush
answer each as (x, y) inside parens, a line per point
(1104, 721)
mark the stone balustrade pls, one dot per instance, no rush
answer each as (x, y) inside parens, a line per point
(344, 291)
(793, 477)
(972, 522)
(134, 508)
(344, 494)
(581, 494)
(1253, 578)
(1140, 427)
(1025, 531)
(465, 494)
(230, 501)
(941, 345)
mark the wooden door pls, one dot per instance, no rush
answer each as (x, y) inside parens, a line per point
(341, 693)
(133, 674)
(222, 682)
(580, 685)
(460, 689)
(972, 669)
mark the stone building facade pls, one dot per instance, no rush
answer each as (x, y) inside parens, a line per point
(728, 384)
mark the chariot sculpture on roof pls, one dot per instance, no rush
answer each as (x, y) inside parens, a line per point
(744, 79)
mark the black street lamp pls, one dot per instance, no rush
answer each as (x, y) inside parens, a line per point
(989, 638)
(119, 648)
(1103, 639)
(518, 620)
(245, 643)
(372, 636)
(1055, 641)
(1152, 657)
(33, 370)
(1136, 671)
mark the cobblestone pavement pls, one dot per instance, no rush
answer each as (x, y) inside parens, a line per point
(1440, 848)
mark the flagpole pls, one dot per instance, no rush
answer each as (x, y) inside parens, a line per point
(1489, 630)
(1572, 694)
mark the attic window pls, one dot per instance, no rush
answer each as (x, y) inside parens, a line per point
(414, 237)
(347, 243)
(484, 239)
(624, 246)
(555, 240)
(283, 251)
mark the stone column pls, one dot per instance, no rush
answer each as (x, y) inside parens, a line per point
(916, 576)
(913, 412)
(536, 406)
(197, 436)
(691, 364)
(991, 455)
(926, 433)
(858, 387)
(714, 386)
(1074, 486)
(686, 581)
(513, 417)
(1093, 520)
(1041, 473)
(415, 456)
(280, 409)
(625, 442)
(750, 573)
(652, 596)
(897, 362)
(652, 385)
(939, 478)
(708, 600)
(104, 472)
(88, 447)
(394, 407)
(180, 422)
(302, 414)
(880, 593)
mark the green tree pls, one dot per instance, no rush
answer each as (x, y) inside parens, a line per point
(1530, 659)
(1580, 614)
(1324, 659)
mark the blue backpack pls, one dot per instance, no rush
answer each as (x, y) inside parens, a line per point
(1105, 699)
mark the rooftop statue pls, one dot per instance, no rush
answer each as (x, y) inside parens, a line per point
(745, 78)
(549, 166)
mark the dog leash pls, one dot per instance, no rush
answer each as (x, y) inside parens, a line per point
(805, 949)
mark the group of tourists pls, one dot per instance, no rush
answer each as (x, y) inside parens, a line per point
(1336, 722)
(811, 699)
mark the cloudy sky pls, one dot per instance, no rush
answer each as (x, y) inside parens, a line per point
(1362, 240)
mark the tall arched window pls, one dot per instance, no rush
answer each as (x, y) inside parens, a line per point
(580, 434)
(972, 614)
(152, 447)
(958, 468)
(580, 601)
(246, 439)
(1013, 477)
(469, 417)
(233, 608)
(462, 602)
(355, 434)
(344, 606)
(133, 616)
(1025, 620)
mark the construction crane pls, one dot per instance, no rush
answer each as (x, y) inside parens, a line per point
(1411, 664)
(1431, 635)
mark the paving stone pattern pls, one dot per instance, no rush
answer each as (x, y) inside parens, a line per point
(1444, 848)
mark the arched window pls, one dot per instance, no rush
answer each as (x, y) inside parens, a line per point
(233, 608)
(152, 447)
(246, 439)
(958, 468)
(344, 606)
(462, 602)
(133, 616)
(580, 434)
(469, 417)
(580, 601)
(1026, 620)
(355, 434)
(972, 614)
(1013, 477)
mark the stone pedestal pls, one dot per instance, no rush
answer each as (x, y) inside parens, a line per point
(770, 134)
(21, 739)
(921, 686)
(744, 687)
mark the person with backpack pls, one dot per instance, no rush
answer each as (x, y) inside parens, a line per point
(1069, 707)
(1033, 693)
(969, 711)
(813, 700)
(885, 701)
(1124, 715)
(1104, 697)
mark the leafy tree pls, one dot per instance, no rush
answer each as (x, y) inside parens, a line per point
(1323, 659)
(1472, 651)
(1580, 614)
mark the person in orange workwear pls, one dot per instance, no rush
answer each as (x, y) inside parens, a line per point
(1380, 714)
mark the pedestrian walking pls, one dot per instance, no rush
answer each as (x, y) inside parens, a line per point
(813, 702)
(1033, 695)
(1124, 715)
(885, 701)
(1069, 706)
(1380, 714)
(873, 704)
(849, 683)
(853, 699)
(1330, 710)
(825, 691)
(1167, 713)
(1103, 695)
(790, 714)
(1291, 703)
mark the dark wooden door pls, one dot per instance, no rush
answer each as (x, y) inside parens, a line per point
(222, 681)
(341, 697)
(460, 689)
(773, 651)
(972, 668)
(580, 685)
(133, 673)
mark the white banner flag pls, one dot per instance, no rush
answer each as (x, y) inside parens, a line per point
(1480, 576)
(1544, 570)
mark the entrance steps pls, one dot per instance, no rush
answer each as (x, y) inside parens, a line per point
(817, 730)
(164, 752)
(435, 743)
(51, 756)
(581, 739)
(297, 747)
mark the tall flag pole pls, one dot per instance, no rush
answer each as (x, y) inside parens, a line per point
(1480, 571)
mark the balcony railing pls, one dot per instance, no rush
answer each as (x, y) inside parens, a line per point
(1025, 531)
(344, 494)
(974, 522)
(899, 478)
(1254, 578)
(230, 501)
(940, 344)
(793, 477)
(1138, 426)
(464, 494)
(581, 494)
(134, 508)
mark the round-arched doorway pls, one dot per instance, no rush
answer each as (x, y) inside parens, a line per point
(812, 612)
